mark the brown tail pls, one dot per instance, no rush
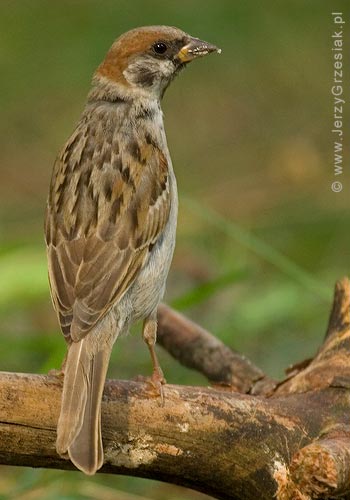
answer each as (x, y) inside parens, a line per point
(79, 424)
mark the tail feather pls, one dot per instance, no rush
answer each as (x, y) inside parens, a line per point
(86, 451)
(79, 424)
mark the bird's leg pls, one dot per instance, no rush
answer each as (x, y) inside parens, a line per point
(149, 334)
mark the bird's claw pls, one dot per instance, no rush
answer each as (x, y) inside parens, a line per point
(56, 373)
(155, 383)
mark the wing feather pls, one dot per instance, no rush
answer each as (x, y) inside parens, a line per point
(109, 202)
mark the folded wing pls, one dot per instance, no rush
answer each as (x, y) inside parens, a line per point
(108, 205)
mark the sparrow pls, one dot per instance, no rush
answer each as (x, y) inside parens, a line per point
(110, 224)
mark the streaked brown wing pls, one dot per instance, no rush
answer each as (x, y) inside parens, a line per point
(106, 209)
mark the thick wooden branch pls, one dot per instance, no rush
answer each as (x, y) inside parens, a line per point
(290, 442)
(331, 365)
(321, 469)
(225, 444)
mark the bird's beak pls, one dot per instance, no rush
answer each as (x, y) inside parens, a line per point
(196, 48)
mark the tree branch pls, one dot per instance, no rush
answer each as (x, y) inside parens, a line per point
(212, 441)
(292, 443)
(321, 469)
(196, 348)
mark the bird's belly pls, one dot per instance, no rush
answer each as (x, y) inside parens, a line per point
(148, 289)
(143, 297)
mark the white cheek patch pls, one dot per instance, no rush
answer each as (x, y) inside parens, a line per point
(166, 68)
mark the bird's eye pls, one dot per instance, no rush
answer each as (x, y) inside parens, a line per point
(160, 47)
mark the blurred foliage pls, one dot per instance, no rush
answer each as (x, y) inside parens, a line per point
(261, 237)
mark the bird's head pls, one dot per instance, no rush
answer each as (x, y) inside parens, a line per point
(145, 60)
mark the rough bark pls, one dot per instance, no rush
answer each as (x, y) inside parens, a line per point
(287, 440)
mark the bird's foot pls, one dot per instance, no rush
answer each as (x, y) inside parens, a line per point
(157, 380)
(56, 373)
(154, 384)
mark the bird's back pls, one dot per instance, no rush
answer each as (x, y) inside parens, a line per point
(109, 204)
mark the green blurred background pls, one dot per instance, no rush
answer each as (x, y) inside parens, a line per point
(261, 236)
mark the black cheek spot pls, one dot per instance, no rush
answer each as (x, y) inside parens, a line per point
(146, 77)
